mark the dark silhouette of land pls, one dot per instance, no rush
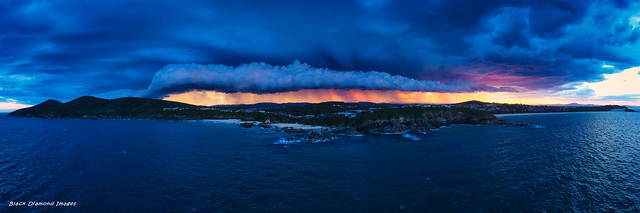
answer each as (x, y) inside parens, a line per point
(347, 118)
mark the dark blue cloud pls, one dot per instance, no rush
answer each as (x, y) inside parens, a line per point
(64, 49)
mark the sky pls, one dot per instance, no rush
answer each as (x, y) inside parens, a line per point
(230, 52)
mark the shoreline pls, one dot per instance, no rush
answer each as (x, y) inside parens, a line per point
(546, 113)
(296, 126)
(316, 134)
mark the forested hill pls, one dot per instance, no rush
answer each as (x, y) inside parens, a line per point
(92, 107)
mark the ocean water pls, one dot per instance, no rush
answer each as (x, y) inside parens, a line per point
(572, 162)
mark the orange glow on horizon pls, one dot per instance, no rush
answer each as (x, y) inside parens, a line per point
(357, 95)
(622, 84)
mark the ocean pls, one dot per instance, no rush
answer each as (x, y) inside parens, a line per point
(570, 162)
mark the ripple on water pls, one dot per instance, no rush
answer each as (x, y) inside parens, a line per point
(577, 163)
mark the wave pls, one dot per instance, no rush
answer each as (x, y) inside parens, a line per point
(412, 137)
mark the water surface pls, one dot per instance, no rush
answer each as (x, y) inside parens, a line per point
(579, 162)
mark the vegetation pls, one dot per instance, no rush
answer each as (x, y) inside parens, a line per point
(92, 107)
(498, 108)
(351, 117)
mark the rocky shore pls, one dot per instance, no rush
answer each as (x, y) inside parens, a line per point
(400, 126)
(309, 122)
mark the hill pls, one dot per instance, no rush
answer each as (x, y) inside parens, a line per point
(361, 117)
(368, 118)
(92, 107)
(499, 108)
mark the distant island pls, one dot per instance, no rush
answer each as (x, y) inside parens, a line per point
(339, 117)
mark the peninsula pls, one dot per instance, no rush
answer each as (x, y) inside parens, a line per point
(340, 117)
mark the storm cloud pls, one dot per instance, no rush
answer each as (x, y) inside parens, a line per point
(64, 49)
(265, 78)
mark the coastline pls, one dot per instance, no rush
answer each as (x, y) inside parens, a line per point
(278, 125)
(315, 134)
(311, 122)
(546, 113)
